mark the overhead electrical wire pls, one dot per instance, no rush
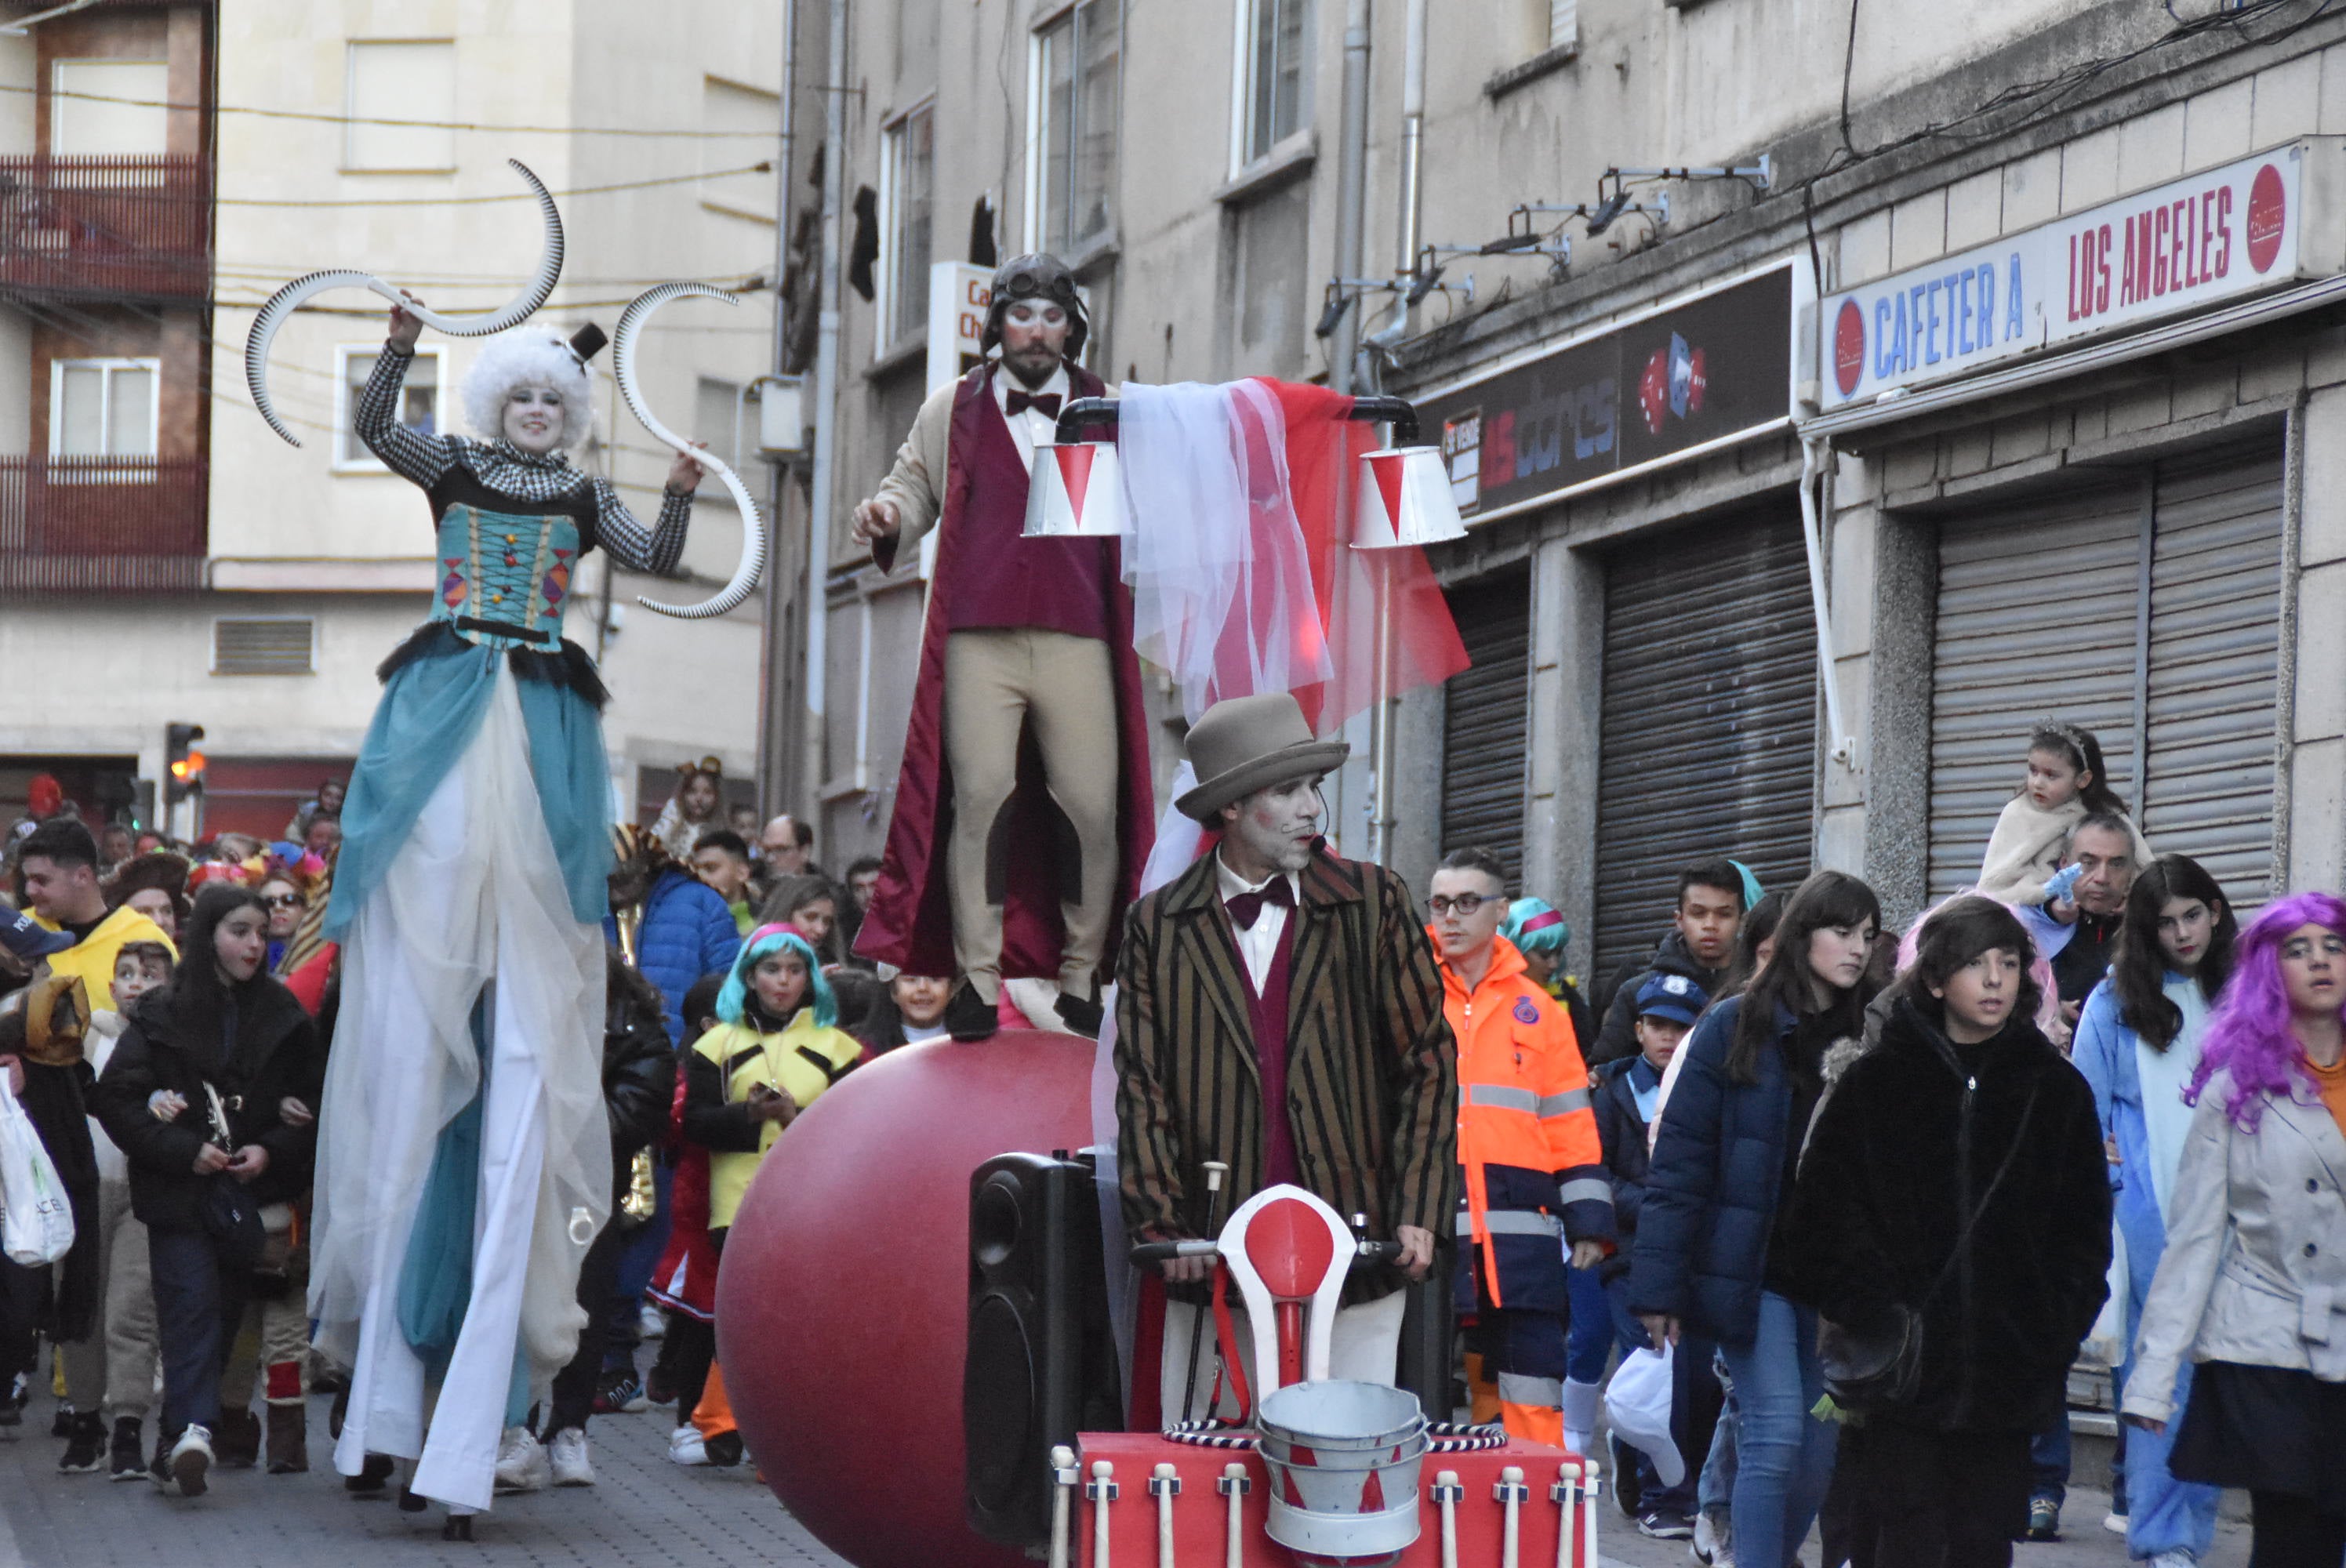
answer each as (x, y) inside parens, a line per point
(320, 117)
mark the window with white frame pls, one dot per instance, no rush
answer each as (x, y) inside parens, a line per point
(1274, 75)
(1563, 23)
(908, 222)
(1071, 196)
(109, 107)
(103, 408)
(392, 80)
(419, 401)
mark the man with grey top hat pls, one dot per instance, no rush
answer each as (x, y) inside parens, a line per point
(1278, 1011)
(1020, 827)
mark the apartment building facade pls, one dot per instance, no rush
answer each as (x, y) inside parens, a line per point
(1845, 271)
(172, 560)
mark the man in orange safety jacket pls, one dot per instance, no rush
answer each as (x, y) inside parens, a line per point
(1535, 1177)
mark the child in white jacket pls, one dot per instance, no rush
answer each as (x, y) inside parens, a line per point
(2066, 781)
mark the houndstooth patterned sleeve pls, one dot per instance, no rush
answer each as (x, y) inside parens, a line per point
(656, 549)
(408, 452)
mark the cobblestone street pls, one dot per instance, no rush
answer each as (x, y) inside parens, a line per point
(643, 1513)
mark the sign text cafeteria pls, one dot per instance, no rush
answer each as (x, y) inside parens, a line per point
(2207, 237)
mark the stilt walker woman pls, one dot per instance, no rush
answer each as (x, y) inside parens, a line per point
(465, 1164)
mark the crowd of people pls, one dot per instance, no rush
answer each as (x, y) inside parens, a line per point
(1867, 1192)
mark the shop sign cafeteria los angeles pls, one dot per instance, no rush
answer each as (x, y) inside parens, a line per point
(2204, 239)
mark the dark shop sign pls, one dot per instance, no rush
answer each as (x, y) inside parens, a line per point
(1700, 372)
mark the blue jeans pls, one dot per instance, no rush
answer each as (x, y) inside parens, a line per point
(2048, 1458)
(198, 1301)
(1716, 1490)
(639, 1254)
(1786, 1455)
(1588, 1348)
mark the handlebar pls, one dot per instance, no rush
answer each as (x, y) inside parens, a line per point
(1145, 1253)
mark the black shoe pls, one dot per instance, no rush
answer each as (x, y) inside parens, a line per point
(374, 1474)
(126, 1462)
(1626, 1493)
(1661, 1525)
(85, 1446)
(969, 1016)
(61, 1425)
(1082, 1014)
(723, 1450)
(2044, 1519)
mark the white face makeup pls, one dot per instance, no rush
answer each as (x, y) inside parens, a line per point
(533, 419)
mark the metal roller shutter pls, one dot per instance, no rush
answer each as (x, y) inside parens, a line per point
(1709, 719)
(2215, 648)
(2150, 613)
(2036, 619)
(1486, 713)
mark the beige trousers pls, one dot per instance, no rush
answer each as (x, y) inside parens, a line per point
(996, 681)
(114, 1369)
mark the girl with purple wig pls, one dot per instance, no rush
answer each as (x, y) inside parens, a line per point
(2252, 1286)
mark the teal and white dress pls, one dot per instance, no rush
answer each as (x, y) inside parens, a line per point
(463, 1162)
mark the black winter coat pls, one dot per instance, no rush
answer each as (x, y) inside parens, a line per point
(639, 1082)
(1622, 1133)
(274, 1053)
(1905, 1150)
(1617, 1038)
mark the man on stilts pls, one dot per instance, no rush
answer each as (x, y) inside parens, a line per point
(1024, 811)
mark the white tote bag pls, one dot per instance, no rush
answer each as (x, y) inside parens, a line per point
(37, 1224)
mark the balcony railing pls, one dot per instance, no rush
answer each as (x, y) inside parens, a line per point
(107, 525)
(105, 226)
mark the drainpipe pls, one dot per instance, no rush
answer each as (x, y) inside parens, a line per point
(775, 695)
(1841, 746)
(826, 410)
(1351, 189)
(1412, 139)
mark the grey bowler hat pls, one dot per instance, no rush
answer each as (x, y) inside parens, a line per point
(1243, 744)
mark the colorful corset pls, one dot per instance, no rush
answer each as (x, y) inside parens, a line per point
(503, 576)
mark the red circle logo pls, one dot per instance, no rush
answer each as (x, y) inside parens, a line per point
(1848, 347)
(2268, 215)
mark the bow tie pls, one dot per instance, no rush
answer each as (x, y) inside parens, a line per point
(1044, 403)
(1245, 906)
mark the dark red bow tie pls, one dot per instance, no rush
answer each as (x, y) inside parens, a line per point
(1245, 906)
(1046, 403)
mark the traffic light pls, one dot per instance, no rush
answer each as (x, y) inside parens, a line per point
(183, 765)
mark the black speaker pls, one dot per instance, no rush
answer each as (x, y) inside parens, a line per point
(1040, 1365)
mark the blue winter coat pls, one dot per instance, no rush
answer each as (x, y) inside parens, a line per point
(1622, 1131)
(1711, 1188)
(686, 933)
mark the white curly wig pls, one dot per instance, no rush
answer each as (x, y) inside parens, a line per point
(528, 356)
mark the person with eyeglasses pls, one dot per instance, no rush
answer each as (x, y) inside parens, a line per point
(1537, 1188)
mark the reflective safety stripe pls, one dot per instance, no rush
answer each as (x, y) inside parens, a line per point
(1513, 1222)
(1515, 1388)
(1586, 1189)
(1501, 1098)
(1560, 1105)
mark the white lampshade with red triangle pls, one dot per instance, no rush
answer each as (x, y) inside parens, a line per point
(1404, 499)
(1076, 492)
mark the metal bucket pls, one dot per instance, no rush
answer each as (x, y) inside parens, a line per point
(1342, 1460)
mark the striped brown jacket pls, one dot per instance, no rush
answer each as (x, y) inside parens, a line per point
(1371, 1077)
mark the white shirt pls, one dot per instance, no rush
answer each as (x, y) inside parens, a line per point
(1032, 426)
(1258, 944)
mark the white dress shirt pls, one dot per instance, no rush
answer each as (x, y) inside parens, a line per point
(1258, 944)
(1032, 426)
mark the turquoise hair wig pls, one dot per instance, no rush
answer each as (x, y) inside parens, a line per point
(762, 942)
(1534, 926)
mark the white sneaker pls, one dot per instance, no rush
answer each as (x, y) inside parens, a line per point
(2115, 1523)
(653, 1323)
(520, 1461)
(191, 1460)
(2178, 1558)
(684, 1445)
(1711, 1543)
(566, 1456)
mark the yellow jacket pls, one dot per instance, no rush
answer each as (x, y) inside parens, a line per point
(802, 1060)
(93, 957)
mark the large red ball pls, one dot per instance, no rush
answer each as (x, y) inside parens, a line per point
(842, 1303)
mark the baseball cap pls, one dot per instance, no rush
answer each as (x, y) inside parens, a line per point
(27, 939)
(1671, 996)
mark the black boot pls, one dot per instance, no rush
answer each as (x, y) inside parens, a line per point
(128, 1460)
(969, 1016)
(1082, 1014)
